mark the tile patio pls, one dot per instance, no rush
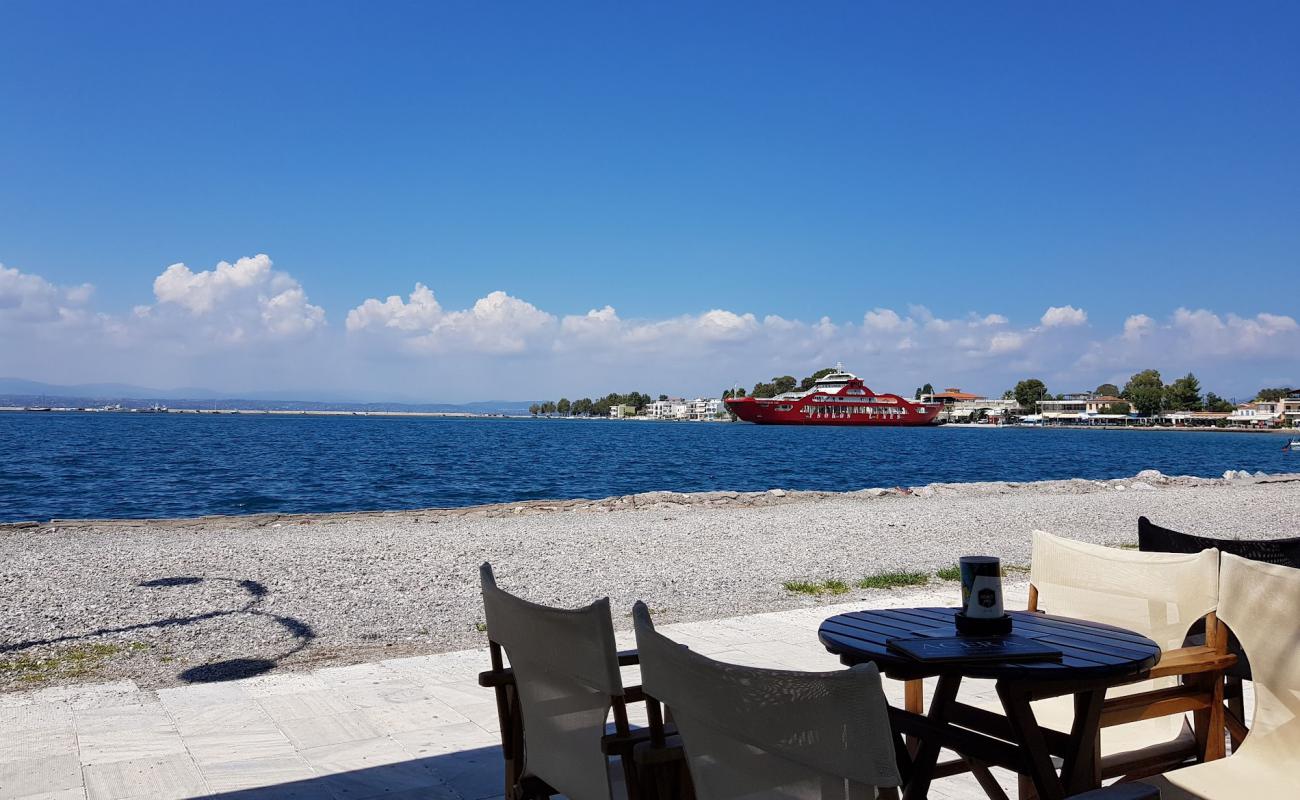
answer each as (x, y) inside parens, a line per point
(403, 728)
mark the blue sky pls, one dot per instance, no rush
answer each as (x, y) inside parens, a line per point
(669, 160)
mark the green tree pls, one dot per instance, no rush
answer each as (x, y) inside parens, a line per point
(777, 386)
(1184, 394)
(927, 389)
(1107, 390)
(1009, 394)
(534, 409)
(563, 406)
(729, 393)
(1028, 392)
(663, 397)
(807, 383)
(1271, 395)
(1145, 391)
(1116, 408)
(1215, 403)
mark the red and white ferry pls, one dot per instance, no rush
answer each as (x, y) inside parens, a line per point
(839, 398)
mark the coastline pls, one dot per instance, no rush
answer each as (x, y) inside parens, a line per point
(151, 600)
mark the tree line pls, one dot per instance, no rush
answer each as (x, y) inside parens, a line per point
(1146, 393)
(586, 407)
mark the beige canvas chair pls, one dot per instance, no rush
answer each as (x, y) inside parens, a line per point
(1261, 604)
(757, 733)
(1159, 595)
(562, 683)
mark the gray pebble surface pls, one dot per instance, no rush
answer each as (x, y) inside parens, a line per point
(303, 591)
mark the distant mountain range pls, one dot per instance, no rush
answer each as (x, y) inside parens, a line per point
(20, 392)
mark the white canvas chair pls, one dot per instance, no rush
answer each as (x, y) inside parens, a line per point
(1261, 604)
(564, 672)
(1159, 595)
(757, 733)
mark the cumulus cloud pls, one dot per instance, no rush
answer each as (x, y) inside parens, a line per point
(236, 302)
(887, 319)
(32, 298)
(1137, 326)
(246, 319)
(496, 324)
(1063, 317)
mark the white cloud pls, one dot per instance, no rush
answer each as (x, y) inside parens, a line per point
(1063, 317)
(496, 324)
(887, 319)
(1137, 326)
(247, 325)
(247, 300)
(30, 297)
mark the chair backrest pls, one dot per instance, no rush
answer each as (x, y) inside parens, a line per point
(1261, 604)
(1154, 539)
(566, 674)
(1158, 595)
(753, 733)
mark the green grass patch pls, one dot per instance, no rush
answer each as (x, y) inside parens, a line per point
(481, 627)
(816, 588)
(892, 580)
(1014, 569)
(70, 662)
(952, 573)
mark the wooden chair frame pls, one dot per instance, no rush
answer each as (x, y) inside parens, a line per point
(621, 743)
(1202, 693)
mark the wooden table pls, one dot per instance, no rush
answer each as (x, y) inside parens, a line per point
(1094, 657)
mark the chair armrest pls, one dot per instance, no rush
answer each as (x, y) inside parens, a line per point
(1120, 791)
(1192, 660)
(614, 744)
(496, 677)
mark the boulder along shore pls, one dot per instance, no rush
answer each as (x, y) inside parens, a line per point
(165, 602)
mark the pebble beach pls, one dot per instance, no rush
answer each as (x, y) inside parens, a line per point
(165, 602)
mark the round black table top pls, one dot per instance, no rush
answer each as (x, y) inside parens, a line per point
(1089, 650)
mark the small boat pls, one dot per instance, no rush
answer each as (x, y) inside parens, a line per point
(1293, 444)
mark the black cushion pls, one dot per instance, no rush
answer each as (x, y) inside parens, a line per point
(1154, 539)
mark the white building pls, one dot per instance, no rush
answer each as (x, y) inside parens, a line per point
(1262, 414)
(681, 408)
(705, 408)
(672, 408)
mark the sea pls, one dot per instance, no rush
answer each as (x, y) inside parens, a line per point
(130, 465)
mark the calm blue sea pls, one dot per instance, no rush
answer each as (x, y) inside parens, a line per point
(165, 465)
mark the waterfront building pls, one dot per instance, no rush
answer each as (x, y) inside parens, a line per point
(1291, 407)
(1194, 419)
(950, 397)
(1082, 407)
(705, 408)
(671, 408)
(1258, 414)
(622, 412)
(992, 410)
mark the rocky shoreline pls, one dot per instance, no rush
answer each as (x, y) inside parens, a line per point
(169, 601)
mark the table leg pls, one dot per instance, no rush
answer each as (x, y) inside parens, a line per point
(927, 753)
(1015, 702)
(1082, 769)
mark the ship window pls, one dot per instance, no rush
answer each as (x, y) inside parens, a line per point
(784, 407)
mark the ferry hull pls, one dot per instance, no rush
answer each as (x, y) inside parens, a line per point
(887, 411)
